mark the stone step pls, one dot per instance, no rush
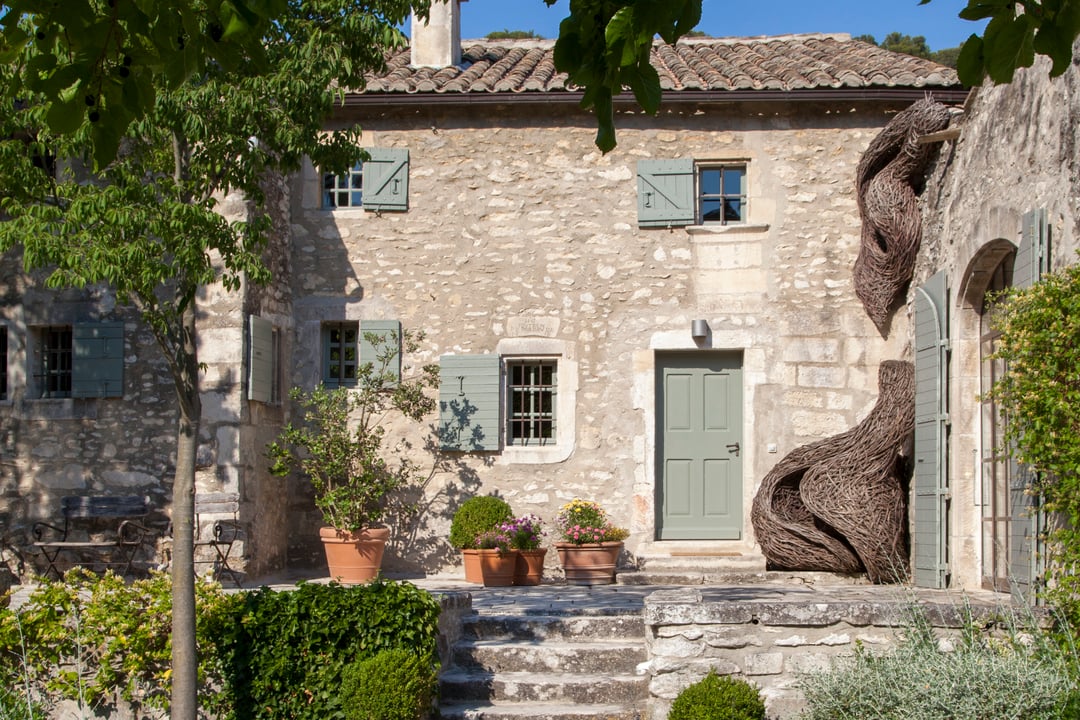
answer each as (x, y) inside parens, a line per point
(603, 657)
(531, 628)
(537, 711)
(463, 686)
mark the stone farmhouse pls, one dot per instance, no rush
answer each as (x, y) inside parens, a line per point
(694, 282)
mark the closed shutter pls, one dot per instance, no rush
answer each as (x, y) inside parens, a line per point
(930, 482)
(665, 193)
(380, 341)
(260, 359)
(386, 179)
(1032, 258)
(469, 402)
(97, 360)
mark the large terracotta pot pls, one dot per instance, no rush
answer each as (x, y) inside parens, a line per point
(529, 569)
(497, 567)
(471, 560)
(354, 557)
(589, 564)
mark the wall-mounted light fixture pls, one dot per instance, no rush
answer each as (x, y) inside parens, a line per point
(699, 329)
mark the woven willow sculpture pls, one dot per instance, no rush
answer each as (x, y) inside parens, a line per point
(840, 504)
(886, 184)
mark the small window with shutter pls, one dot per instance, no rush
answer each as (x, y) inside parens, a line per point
(341, 353)
(677, 193)
(79, 361)
(379, 184)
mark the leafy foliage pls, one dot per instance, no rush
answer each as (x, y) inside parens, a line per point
(513, 35)
(718, 697)
(1039, 395)
(89, 638)
(1017, 31)
(282, 655)
(1009, 669)
(477, 515)
(342, 443)
(393, 685)
(604, 46)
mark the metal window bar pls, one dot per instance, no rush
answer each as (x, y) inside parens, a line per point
(343, 353)
(532, 391)
(56, 356)
(344, 190)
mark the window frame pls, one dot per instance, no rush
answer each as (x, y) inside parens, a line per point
(721, 196)
(525, 426)
(326, 336)
(44, 375)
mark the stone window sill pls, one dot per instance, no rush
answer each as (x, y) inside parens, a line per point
(726, 229)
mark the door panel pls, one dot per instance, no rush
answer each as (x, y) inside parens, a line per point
(699, 446)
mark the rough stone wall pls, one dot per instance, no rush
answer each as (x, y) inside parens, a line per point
(1017, 152)
(516, 217)
(772, 644)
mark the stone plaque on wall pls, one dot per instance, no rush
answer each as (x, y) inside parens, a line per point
(532, 326)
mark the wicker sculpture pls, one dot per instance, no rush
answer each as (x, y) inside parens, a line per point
(886, 185)
(840, 504)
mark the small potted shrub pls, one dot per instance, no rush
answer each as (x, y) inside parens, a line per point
(590, 545)
(526, 533)
(718, 697)
(341, 445)
(476, 515)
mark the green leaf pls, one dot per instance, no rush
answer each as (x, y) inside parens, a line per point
(1008, 45)
(65, 117)
(645, 83)
(970, 63)
(605, 118)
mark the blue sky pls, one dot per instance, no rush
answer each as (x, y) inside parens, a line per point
(937, 21)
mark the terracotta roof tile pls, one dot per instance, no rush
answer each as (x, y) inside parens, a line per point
(792, 62)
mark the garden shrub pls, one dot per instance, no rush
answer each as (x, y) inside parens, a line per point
(1011, 670)
(282, 655)
(718, 697)
(392, 685)
(476, 515)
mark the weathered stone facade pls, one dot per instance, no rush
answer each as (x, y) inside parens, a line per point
(1017, 152)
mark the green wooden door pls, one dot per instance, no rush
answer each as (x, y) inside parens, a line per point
(699, 446)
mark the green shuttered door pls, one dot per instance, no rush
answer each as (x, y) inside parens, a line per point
(469, 402)
(97, 362)
(665, 193)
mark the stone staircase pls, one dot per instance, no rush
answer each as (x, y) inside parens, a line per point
(551, 664)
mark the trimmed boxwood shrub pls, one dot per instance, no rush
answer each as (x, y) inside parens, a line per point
(718, 697)
(477, 515)
(393, 685)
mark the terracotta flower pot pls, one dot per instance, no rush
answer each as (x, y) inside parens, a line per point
(497, 567)
(529, 569)
(471, 560)
(354, 558)
(589, 564)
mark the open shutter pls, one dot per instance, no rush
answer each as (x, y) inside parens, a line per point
(260, 359)
(930, 481)
(386, 335)
(665, 192)
(469, 402)
(386, 179)
(1032, 258)
(97, 360)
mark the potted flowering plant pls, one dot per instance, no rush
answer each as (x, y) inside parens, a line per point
(497, 558)
(590, 544)
(526, 533)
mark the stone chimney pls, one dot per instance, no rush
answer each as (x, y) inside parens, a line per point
(437, 42)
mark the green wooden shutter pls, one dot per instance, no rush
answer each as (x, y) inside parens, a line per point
(1032, 261)
(260, 359)
(469, 402)
(381, 337)
(386, 179)
(665, 192)
(930, 481)
(97, 360)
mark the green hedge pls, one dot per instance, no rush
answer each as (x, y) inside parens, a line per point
(263, 654)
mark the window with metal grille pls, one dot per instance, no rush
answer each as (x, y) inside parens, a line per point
(344, 190)
(532, 387)
(54, 370)
(722, 193)
(340, 353)
(3, 363)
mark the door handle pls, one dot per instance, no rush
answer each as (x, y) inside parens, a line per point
(733, 447)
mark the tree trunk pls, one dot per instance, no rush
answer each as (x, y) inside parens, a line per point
(185, 700)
